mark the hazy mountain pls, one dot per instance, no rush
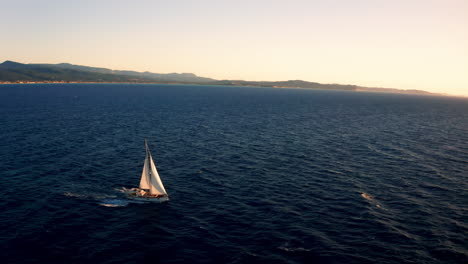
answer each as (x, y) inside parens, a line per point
(290, 84)
(17, 72)
(13, 71)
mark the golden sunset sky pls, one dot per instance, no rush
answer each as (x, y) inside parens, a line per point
(412, 44)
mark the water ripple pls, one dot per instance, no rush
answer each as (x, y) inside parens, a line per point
(256, 175)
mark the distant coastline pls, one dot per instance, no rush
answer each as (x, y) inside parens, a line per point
(19, 73)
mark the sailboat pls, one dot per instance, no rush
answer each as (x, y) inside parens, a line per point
(151, 187)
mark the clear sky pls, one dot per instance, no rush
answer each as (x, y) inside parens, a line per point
(406, 44)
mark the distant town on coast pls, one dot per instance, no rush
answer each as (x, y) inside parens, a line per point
(18, 73)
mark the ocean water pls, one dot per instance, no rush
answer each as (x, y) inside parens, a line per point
(255, 175)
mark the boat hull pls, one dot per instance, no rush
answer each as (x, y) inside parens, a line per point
(148, 199)
(134, 194)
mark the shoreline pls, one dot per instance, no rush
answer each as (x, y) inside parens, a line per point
(359, 90)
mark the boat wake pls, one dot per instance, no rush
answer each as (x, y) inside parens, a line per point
(289, 248)
(104, 200)
(88, 195)
(114, 203)
(371, 200)
(367, 196)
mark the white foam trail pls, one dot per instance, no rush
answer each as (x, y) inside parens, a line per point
(89, 195)
(370, 198)
(113, 203)
(286, 247)
(367, 196)
(291, 249)
(70, 194)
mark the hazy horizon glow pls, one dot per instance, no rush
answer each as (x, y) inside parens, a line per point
(396, 44)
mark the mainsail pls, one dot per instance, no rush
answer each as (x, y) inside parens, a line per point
(145, 176)
(150, 176)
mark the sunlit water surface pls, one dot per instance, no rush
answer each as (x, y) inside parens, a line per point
(255, 175)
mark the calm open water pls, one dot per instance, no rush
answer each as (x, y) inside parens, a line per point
(256, 175)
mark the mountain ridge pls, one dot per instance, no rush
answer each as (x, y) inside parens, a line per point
(15, 72)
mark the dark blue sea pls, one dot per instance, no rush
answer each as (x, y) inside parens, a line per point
(255, 175)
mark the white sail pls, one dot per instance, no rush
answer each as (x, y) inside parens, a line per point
(156, 185)
(145, 181)
(149, 181)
